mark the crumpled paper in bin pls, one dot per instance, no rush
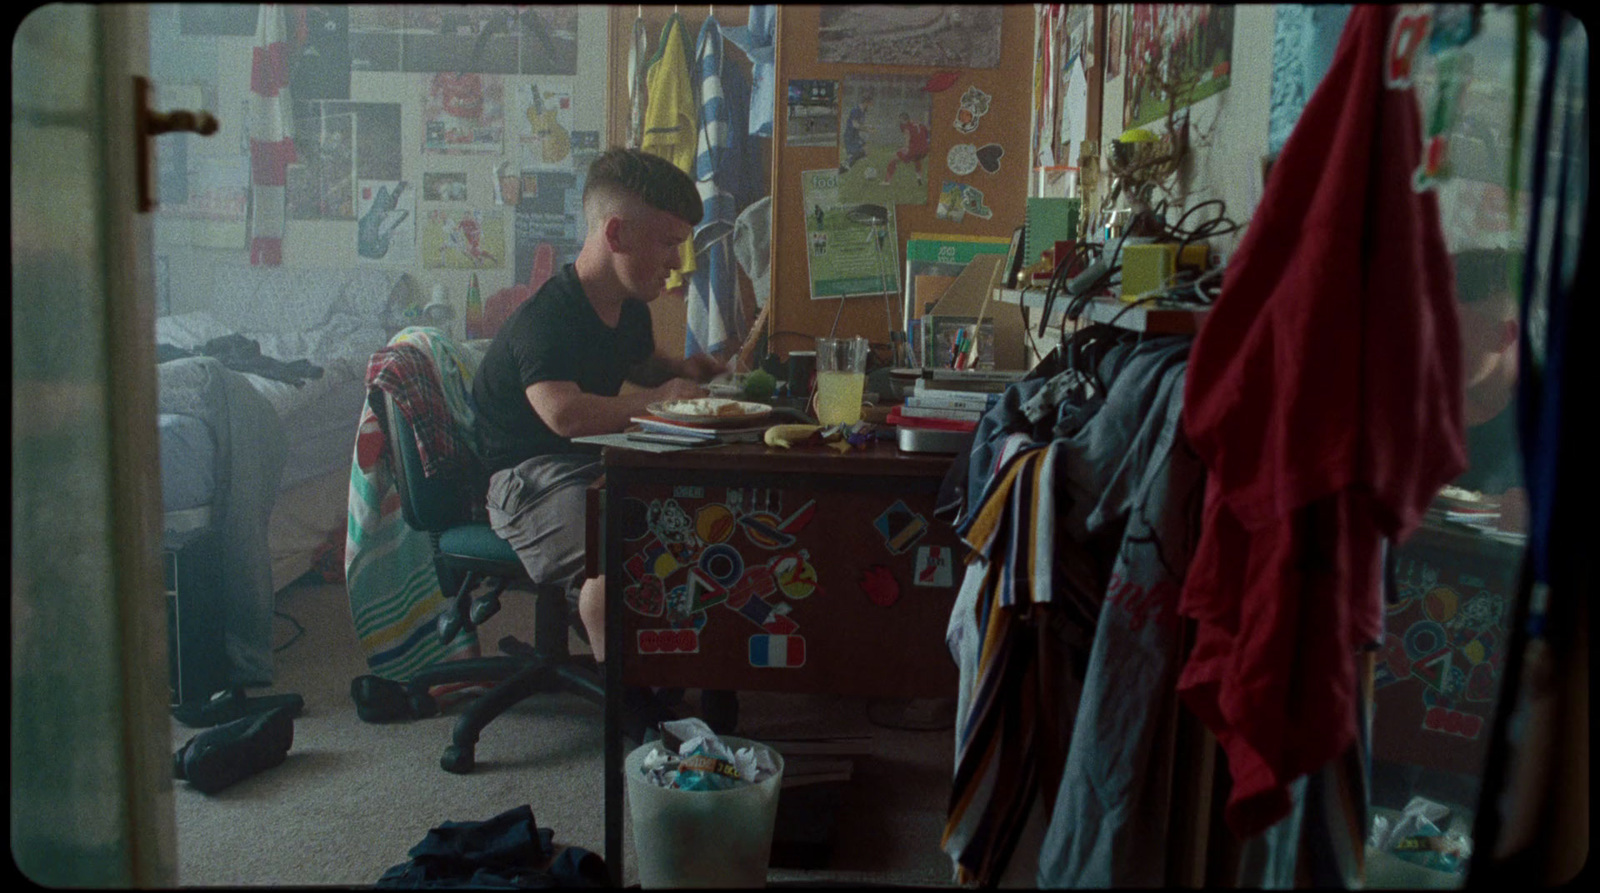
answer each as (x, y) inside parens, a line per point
(702, 762)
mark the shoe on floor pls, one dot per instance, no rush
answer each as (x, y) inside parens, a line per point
(232, 752)
(231, 704)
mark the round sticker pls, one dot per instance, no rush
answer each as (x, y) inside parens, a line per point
(962, 158)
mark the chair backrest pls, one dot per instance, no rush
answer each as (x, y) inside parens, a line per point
(432, 504)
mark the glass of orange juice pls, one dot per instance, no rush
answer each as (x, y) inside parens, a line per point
(841, 379)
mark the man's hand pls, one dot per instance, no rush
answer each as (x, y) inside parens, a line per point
(703, 367)
(679, 389)
(1513, 510)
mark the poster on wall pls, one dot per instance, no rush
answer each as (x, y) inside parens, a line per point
(386, 231)
(462, 114)
(549, 43)
(885, 140)
(1116, 22)
(1184, 49)
(377, 136)
(543, 126)
(219, 19)
(813, 113)
(479, 39)
(544, 243)
(941, 36)
(850, 246)
(466, 240)
(444, 186)
(459, 38)
(320, 67)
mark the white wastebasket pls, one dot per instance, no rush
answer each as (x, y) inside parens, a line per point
(702, 838)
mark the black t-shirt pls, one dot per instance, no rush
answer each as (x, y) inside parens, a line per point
(1493, 457)
(553, 336)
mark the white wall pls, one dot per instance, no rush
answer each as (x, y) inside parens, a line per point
(320, 244)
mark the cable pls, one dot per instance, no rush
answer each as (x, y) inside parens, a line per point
(298, 630)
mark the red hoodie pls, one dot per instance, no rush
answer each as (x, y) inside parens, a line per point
(1324, 394)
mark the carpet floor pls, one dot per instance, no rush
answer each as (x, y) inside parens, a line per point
(352, 797)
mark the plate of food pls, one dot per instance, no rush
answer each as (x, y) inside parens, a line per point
(716, 412)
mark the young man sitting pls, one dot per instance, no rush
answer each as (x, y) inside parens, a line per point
(557, 368)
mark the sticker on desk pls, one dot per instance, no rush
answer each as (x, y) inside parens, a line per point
(714, 523)
(702, 592)
(672, 526)
(647, 597)
(794, 574)
(669, 641)
(687, 492)
(633, 519)
(900, 527)
(786, 652)
(761, 528)
(758, 583)
(880, 585)
(935, 567)
(653, 559)
(760, 611)
(781, 625)
(723, 563)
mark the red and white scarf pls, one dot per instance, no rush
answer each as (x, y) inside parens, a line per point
(271, 137)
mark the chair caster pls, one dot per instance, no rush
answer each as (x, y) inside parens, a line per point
(458, 760)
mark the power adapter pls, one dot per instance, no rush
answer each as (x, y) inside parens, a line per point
(1147, 268)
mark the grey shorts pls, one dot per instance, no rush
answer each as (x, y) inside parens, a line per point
(538, 507)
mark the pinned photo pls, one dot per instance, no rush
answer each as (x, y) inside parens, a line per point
(974, 105)
(957, 200)
(989, 158)
(962, 159)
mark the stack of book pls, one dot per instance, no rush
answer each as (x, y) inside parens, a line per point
(808, 761)
(654, 429)
(928, 402)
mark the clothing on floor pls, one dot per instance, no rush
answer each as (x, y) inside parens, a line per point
(1324, 395)
(507, 851)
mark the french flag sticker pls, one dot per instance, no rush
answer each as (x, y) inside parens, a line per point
(777, 651)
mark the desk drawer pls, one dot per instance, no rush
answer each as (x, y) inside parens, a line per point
(837, 585)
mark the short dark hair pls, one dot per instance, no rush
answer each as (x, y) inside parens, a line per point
(1484, 275)
(650, 178)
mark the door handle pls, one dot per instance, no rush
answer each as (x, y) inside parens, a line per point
(148, 123)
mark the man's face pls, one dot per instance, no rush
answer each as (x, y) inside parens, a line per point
(650, 250)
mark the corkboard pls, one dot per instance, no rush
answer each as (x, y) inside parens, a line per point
(795, 319)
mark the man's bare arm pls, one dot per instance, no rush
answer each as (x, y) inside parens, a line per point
(570, 412)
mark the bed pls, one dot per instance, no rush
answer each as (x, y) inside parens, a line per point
(334, 319)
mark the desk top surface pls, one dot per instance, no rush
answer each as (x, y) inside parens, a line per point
(878, 458)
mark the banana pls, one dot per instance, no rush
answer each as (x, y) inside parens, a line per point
(787, 435)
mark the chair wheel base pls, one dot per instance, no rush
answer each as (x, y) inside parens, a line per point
(458, 760)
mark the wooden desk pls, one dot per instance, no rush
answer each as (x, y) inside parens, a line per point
(1438, 676)
(748, 568)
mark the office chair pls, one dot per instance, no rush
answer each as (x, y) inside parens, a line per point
(466, 554)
